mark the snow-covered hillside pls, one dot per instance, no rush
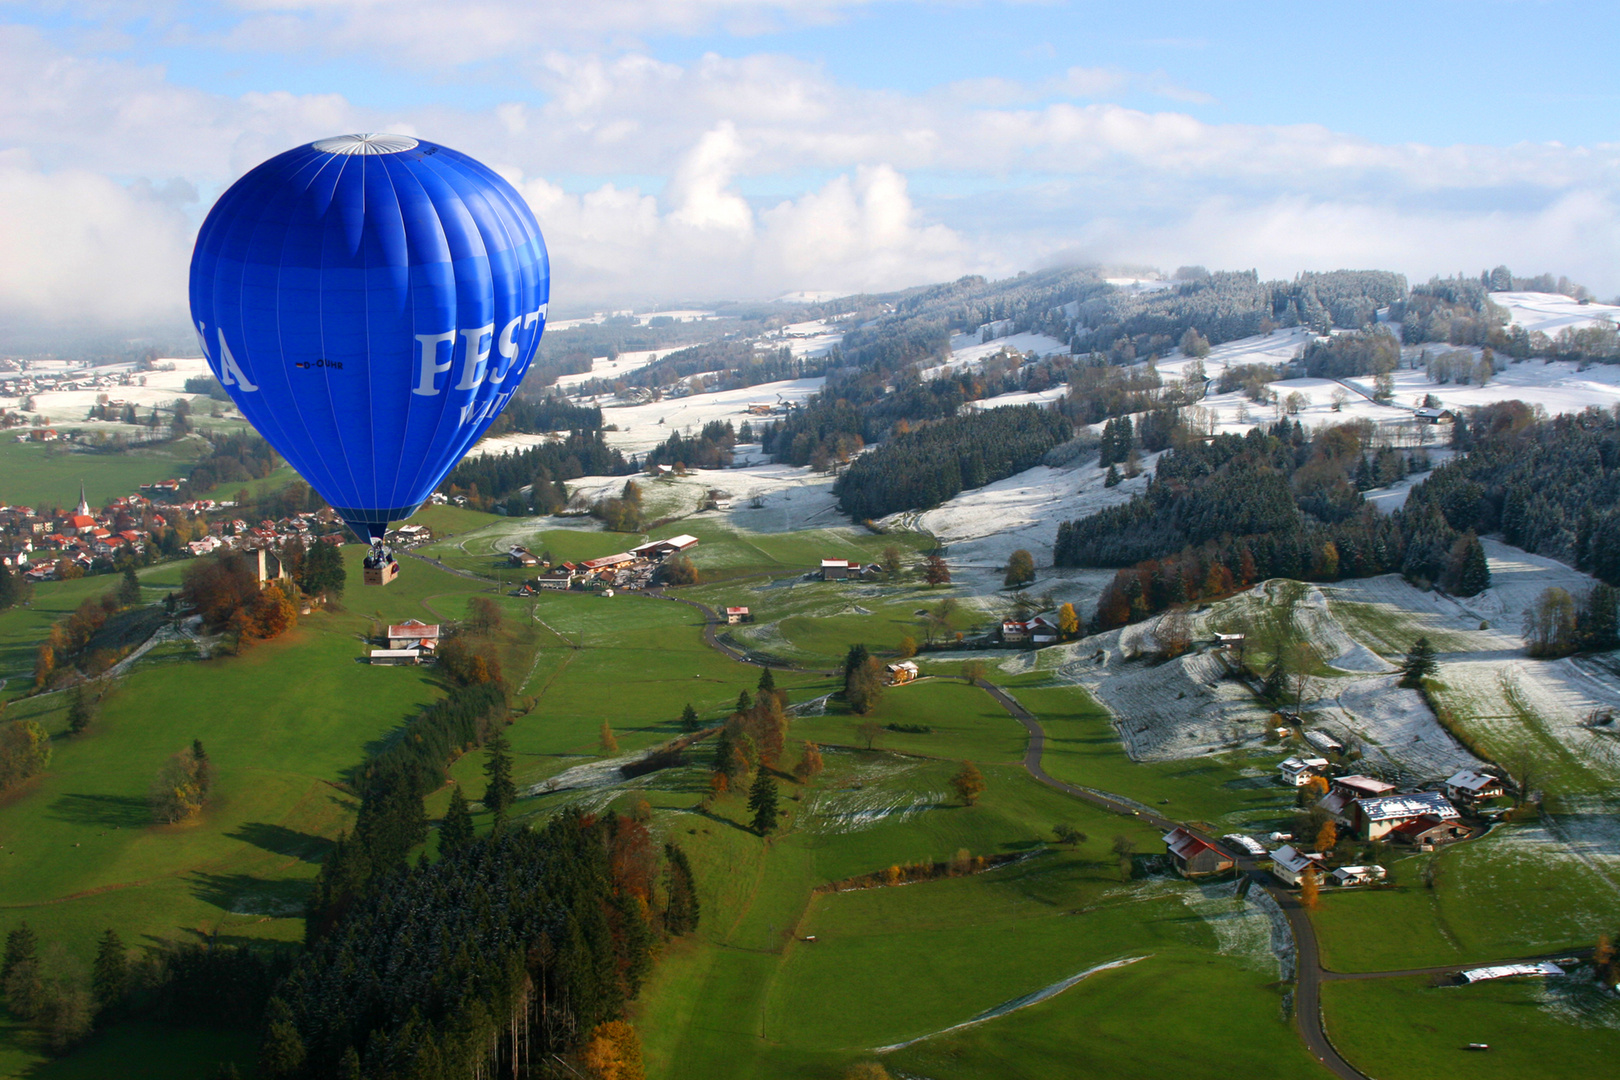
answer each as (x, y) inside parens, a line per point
(1549, 313)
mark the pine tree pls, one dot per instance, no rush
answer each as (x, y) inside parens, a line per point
(281, 1049)
(1474, 576)
(23, 984)
(767, 682)
(744, 702)
(110, 974)
(456, 830)
(689, 718)
(1112, 477)
(80, 711)
(1420, 663)
(129, 592)
(499, 792)
(762, 801)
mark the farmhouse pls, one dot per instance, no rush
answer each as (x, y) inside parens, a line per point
(1192, 856)
(1434, 416)
(838, 569)
(413, 634)
(1358, 875)
(1428, 832)
(1296, 771)
(1341, 797)
(658, 549)
(1323, 741)
(522, 557)
(1471, 785)
(735, 615)
(1374, 819)
(1289, 865)
(903, 672)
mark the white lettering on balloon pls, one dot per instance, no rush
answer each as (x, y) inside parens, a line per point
(229, 372)
(475, 357)
(429, 365)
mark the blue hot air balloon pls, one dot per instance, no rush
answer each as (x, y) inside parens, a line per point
(370, 303)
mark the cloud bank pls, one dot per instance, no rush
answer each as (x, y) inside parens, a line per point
(757, 175)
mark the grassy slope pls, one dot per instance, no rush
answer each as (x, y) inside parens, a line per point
(1527, 1024)
(43, 475)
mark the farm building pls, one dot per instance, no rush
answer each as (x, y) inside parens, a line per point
(1296, 771)
(838, 569)
(1289, 864)
(1510, 971)
(1358, 875)
(1428, 832)
(1192, 856)
(1374, 819)
(1323, 741)
(608, 562)
(1341, 797)
(658, 549)
(1469, 784)
(1434, 416)
(903, 672)
(1247, 844)
(522, 557)
(735, 615)
(396, 657)
(413, 634)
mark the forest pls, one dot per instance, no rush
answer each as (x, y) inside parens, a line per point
(1550, 486)
(1222, 514)
(499, 477)
(930, 463)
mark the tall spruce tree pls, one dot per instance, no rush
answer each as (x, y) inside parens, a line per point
(762, 801)
(499, 792)
(456, 830)
(109, 976)
(689, 718)
(1419, 664)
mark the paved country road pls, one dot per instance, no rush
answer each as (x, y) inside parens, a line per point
(1308, 966)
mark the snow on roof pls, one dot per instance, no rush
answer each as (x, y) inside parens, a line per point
(1411, 805)
(1322, 740)
(1290, 858)
(384, 654)
(1295, 764)
(1508, 971)
(681, 542)
(1247, 843)
(1470, 780)
(1371, 785)
(829, 563)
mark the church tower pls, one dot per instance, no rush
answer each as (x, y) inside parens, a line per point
(84, 503)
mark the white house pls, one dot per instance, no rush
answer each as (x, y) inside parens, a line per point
(1374, 818)
(1358, 875)
(396, 657)
(1469, 784)
(1290, 864)
(1297, 771)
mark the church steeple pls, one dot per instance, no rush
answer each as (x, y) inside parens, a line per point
(84, 503)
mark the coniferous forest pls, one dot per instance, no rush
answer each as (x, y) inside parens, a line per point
(930, 463)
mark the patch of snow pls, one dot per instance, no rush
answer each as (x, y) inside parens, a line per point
(1549, 313)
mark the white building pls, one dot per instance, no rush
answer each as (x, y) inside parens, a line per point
(1297, 771)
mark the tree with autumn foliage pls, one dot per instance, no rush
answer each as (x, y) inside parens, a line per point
(935, 572)
(810, 764)
(1310, 887)
(968, 783)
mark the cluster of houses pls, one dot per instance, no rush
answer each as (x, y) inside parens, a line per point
(633, 569)
(40, 545)
(408, 643)
(1373, 809)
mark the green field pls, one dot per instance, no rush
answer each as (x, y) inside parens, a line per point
(45, 475)
(1534, 1027)
(748, 995)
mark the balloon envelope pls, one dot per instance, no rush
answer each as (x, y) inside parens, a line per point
(370, 303)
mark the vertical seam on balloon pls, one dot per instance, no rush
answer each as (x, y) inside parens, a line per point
(281, 265)
(280, 348)
(331, 406)
(471, 440)
(410, 295)
(454, 322)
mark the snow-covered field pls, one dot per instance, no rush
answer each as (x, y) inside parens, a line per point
(1559, 386)
(1549, 313)
(618, 367)
(69, 406)
(968, 352)
(807, 339)
(985, 526)
(642, 427)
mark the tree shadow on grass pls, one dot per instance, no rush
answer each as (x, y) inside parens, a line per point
(244, 894)
(107, 811)
(280, 840)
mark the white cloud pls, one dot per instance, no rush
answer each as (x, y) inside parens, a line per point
(81, 248)
(883, 188)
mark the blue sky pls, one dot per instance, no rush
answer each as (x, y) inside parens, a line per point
(741, 147)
